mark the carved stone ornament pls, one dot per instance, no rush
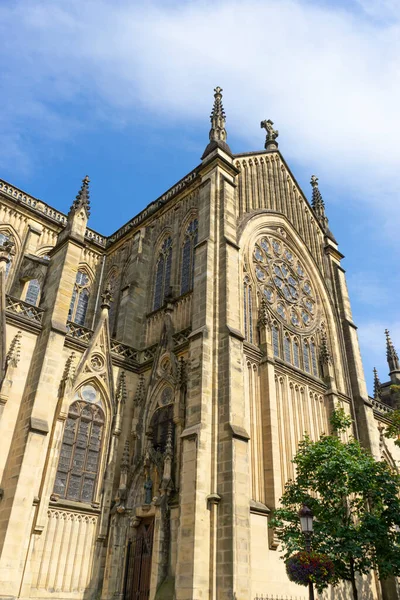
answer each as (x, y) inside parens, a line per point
(97, 362)
(272, 134)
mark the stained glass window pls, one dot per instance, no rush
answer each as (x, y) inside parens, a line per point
(80, 453)
(80, 299)
(314, 359)
(163, 274)
(275, 340)
(286, 348)
(296, 354)
(306, 357)
(187, 272)
(32, 293)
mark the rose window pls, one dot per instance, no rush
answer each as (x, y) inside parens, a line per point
(284, 283)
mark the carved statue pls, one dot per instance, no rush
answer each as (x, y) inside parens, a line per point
(272, 134)
(148, 489)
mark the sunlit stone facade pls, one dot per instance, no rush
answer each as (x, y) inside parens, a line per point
(155, 384)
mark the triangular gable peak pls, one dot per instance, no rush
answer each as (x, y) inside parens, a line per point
(265, 182)
(95, 364)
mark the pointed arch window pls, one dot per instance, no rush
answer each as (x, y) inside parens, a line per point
(80, 299)
(306, 357)
(275, 339)
(33, 292)
(247, 310)
(314, 363)
(286, 348)
(6, 238)
(163, 274)
(296, 354)
(190, 241)
(79, 461)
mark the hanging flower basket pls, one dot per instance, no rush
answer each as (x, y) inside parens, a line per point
(310, 567)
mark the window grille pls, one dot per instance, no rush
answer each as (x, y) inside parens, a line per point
(163, 274)
(187, 272)
(80, 453)
(32, 293)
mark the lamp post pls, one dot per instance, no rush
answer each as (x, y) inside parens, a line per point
(306, 521)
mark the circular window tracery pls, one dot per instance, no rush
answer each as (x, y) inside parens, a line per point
(284, 282)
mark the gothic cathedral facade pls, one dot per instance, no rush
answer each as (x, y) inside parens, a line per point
(155, 384)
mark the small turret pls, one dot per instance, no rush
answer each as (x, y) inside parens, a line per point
(78, 215)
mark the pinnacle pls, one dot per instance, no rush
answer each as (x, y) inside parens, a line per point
(391, 354)
(377, 386)
(217, 133)
(318, 204)
(82, 198)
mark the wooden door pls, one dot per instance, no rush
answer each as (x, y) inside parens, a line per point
(138, 563)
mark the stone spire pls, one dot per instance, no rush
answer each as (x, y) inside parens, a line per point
(377, 386)
(217, 132)
(272, 134)
(391, 354)
(82, 199)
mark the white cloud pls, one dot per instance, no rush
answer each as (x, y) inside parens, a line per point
(329, 79)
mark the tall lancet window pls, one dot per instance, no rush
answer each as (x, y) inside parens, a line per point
(275, 339)
(306, 357)
(248, 310)
(79, 461)
(32, 293)
(296, 354)
(190, 241)
(314, 363)
(80, 299)
(163, 274)
(286, 348)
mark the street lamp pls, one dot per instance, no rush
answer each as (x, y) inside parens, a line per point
(306, 521)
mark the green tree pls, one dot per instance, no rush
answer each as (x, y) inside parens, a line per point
(355, 501)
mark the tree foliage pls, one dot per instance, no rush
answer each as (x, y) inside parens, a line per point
(355, 501)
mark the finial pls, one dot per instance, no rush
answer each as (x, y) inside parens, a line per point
(14, 352)
(140, 391)
(391, 354)
(272, 134)
(169, 444)
(125, 458)
(69, 369)
(82, 199)
(121, 389)
(318, 203)
(377, 386)
(217, 133)
(106, 297)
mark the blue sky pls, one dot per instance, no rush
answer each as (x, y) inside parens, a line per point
(122, 91)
